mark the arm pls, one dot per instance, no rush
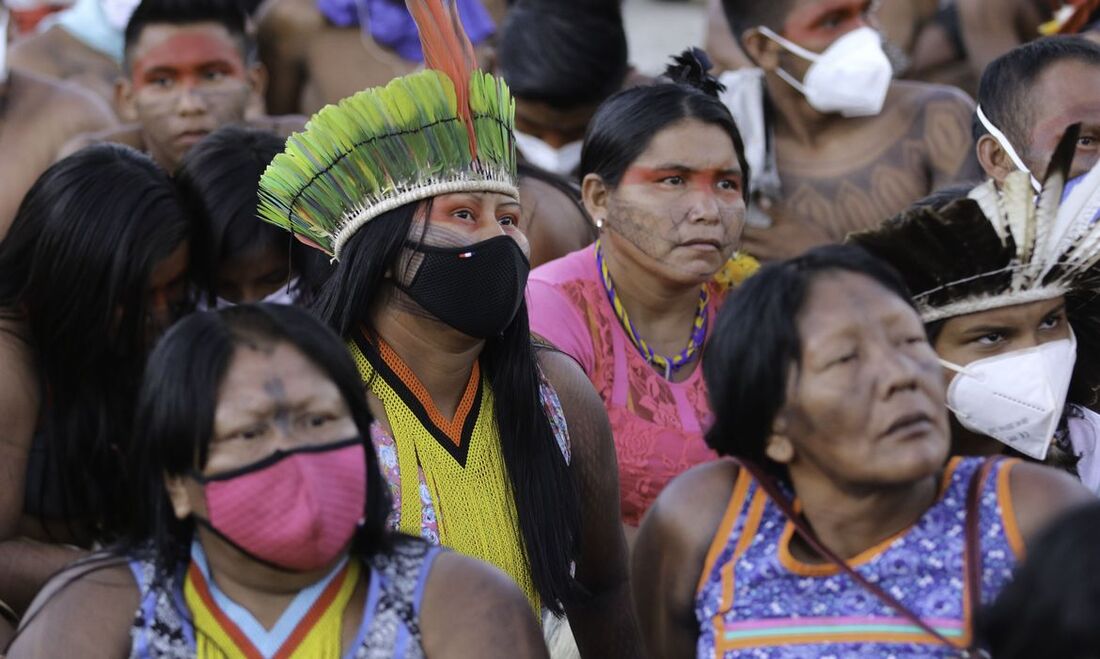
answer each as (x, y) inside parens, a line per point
(604, 626)
(670, 554)
(472, 610)
(1041, 494)
(85, 611)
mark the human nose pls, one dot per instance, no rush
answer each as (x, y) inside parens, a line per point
(705, 208)
(898, 371)
(190, 102)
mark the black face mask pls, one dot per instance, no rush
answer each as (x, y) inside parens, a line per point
(476, 289)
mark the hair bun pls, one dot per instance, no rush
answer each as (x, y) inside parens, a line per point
(690, 68)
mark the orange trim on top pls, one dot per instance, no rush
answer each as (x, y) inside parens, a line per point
(721, 537)
(1008, 509)
(305, 625)
(198, 582)
(452, 428)
(828, 569)
(748, 532)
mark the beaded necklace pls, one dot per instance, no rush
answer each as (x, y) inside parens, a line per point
(669, 364)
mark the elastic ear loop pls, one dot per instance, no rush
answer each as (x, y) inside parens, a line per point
(794, 48)
(1007, 146)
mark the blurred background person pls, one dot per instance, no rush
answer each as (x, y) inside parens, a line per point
(95, 267)
(239, 259)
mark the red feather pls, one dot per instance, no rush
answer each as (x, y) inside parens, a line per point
(447, 49)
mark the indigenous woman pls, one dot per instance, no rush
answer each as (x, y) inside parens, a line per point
(1008, 292)
(842, 529)
(94, 268)
(241, 260)
(490, 449)
(665, 178)
(260, 526)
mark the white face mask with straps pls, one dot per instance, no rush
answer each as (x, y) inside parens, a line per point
(1006, 146)
(851, 77)
(1016, 398)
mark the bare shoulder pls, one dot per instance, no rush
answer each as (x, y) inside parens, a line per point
(38, 53)
(82, 109)
(86, 610)
(1040, 494)
(570, 382)
(129, 135)
(472, 609)
(924, 93)
(691, 507)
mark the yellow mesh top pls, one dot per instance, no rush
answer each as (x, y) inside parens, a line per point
(461, 459)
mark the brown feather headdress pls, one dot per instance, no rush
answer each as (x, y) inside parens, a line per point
(997, 247)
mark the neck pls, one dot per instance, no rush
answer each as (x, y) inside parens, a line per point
(793, 118)
(440, 356)
(851, 520)
(655, 305)
(264, 591)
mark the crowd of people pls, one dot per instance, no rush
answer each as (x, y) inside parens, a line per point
(434, 328)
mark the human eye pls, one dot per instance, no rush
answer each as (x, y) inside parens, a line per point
(464, 214)
(729, 184)
(318, 420)
(672, 180)
(1053, 321)
(249, 432)
(991, 339)
(162, 81)
(507, 220)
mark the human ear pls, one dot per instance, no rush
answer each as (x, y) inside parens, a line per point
(760, 49)
(596, 195)
(993, 158)
(124, 100)
(179, 495)
(257, 79)
(778, 447)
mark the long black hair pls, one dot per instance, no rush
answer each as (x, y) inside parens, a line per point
(177, 405)
(218, 181)
(546, 497)
(73, 273)
(756, 341)
(627, 122)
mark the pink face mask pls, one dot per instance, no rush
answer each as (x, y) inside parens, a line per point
(296, 510)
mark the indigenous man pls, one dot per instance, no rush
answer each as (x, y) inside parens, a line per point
(37, 116)
(1017, 130)
(82, 44)
(838, 145)
(189, 69)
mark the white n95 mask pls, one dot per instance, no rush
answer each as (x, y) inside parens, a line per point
(561, 161)
(1016, 398)
(851, 77)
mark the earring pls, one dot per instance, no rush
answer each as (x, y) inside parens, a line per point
(599, 223)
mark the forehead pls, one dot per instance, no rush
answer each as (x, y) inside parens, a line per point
(1017, 315)
(1070, 93)
(804, 13)
(257, 363)
(162, 44)
(691, 143)
(842, 301)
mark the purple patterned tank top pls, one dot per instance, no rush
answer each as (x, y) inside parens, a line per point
(755, 599)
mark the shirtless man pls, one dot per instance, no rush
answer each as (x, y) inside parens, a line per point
(188, 71)
(82, 44)
(1030, 96)
(314, 62)
(857, 147)
(37, 116)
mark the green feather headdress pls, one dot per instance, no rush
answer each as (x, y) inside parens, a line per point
(448, 128)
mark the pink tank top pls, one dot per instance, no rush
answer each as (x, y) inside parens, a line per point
(658, 425)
